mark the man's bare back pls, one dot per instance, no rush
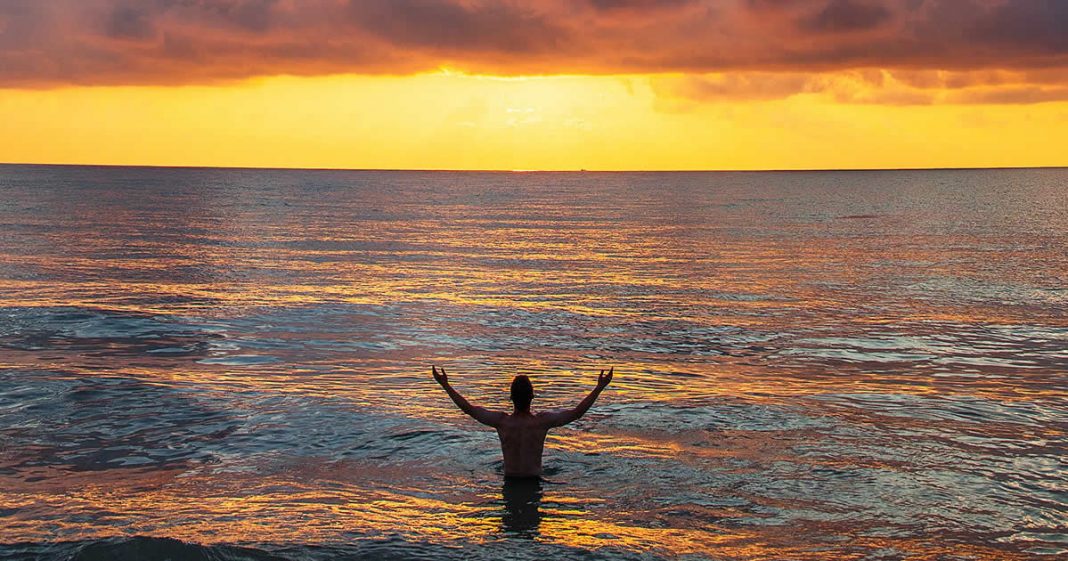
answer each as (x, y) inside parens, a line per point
(522, 432)
(522, 442)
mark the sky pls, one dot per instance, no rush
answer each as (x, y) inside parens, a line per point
(536, 84)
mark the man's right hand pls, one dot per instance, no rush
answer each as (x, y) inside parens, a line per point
(442, 378)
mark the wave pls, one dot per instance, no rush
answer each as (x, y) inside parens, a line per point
(147, 548)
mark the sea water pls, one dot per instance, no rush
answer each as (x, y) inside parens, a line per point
(810, 365)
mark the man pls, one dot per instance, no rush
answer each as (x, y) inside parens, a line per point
(522, 432)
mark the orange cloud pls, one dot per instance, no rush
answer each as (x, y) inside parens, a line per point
(871, 86)
(92, 42)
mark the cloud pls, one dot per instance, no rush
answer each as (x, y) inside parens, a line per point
(1041, 25)
(864, 87)
(735, 86)
(1011, 95)
(854, 86)
(447, 26)
(639, 5)
(848, 15)
(89, 42)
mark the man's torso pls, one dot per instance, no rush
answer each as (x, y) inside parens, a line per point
(522, 442)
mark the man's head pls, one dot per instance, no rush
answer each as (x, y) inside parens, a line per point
(522, 393)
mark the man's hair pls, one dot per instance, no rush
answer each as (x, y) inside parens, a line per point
(522, 392)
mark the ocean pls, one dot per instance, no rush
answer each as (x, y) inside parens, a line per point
(235, 363)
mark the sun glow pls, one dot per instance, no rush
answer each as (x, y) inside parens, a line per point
(451, 120)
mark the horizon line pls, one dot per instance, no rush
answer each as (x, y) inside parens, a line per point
(505, 170)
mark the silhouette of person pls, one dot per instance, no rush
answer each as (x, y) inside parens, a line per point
(522, 432)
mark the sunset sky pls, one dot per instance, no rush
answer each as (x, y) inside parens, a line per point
(536, 84)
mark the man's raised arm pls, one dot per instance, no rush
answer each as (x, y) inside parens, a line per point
(480, 414)
(560, 418)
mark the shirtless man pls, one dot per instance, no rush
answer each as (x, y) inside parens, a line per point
(522, 432)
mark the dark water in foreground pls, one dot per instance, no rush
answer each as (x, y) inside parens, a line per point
(235, 363)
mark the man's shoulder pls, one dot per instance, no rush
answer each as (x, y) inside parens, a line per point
(548, 417)
(533, 419)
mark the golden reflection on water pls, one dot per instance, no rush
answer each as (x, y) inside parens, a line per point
(251, 511)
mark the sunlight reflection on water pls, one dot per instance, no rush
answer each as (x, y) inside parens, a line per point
(857, 365)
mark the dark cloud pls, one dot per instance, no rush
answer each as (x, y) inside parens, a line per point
(1035, 24)
(608, 5)
(771, 5)
(447, 25)
(61, 42)
(129, 22)
(848, 15)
